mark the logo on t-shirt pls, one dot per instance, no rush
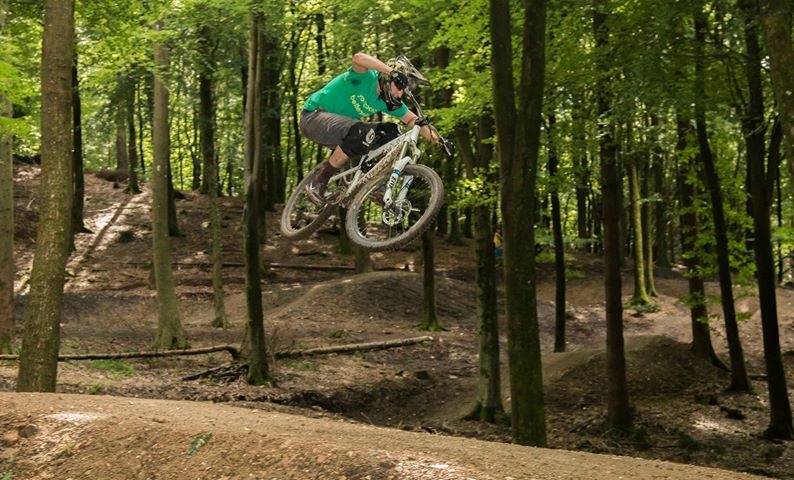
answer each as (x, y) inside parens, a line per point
(363, 108)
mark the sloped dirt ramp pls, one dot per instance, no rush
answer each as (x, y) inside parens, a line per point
(75, 436)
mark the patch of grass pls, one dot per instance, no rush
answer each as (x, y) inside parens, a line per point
(117, 368)
(7, 475)
(93, 389)
(642, 308)
(339, 334)
(301, 364)
(198, 442)
(573, 273)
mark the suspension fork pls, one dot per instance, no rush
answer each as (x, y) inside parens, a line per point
(395, 175)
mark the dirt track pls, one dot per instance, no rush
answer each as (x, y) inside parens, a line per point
(76, 436)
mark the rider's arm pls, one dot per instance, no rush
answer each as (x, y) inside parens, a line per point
(363, 62)
(409, 119)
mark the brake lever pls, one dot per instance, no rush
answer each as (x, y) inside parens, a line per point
(448, 146)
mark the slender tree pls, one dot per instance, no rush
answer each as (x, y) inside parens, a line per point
(518, 134)
(7, 268)
(258, 372)
(640, 296)
(618, 408)
(209, 184)
(489, 407)
(739, 379)
(780, 423)
(169, 331)
(661, 242)
(133, 186)
(559, 246)
(38, 362)
(687, 177)
(78, 225)
(429, 311)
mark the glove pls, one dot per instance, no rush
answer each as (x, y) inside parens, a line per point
(399, 78)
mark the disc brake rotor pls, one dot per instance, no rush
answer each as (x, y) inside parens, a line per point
(394, 213)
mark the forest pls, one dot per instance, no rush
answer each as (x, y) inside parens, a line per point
(631, 140)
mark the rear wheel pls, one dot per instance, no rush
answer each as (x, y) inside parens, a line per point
(302, 216)
(372, 225)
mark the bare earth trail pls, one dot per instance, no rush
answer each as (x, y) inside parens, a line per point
(77, 436)
(387, 414)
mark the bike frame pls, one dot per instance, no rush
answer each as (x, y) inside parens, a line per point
(409, 154)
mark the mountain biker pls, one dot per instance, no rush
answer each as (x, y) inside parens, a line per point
(335, 115)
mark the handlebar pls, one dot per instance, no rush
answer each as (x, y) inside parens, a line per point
(448, 146)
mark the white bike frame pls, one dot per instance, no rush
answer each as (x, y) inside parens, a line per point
(409, 154)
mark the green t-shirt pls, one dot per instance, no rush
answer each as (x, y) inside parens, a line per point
(353, 95)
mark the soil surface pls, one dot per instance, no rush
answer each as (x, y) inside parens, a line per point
(380, 413)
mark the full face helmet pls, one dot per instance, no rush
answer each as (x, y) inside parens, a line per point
(403, 65)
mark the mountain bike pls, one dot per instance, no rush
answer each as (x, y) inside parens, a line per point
(390, 197)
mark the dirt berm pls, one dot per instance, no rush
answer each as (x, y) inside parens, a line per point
(100, 437)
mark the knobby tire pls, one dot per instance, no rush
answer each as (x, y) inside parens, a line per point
(372, 190)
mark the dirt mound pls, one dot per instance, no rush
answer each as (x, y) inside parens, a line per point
(65, 436)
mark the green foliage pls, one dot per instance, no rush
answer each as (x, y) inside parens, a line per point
(116, 368)
(640, 307)
(198, 441)
(94, 388)
(477, 191)
(301, 364)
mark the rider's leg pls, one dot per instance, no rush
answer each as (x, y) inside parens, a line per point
(357, 141)
(337, 159)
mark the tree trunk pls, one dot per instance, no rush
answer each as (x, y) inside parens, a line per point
(489, 407)
(294, 87)
(559, 245)
(271, 113)
(687, 175)
(133, 187)
(363, 261)
(77, 158)
(38, 362)
(139, 114)
(739, 378)
(173, 220)
(660, 243)
(7, 268)
(776, 21)
(640, 296)
(581, 171)
(780, 423)
(122, 161)
(206, 115)
(519, 134)
(429, 311)
(646, 220)
(258, 372)
(209, 183)
(618, 408)
(170, 334)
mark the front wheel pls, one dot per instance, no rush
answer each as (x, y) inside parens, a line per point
(417, 197)
(302, 216)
